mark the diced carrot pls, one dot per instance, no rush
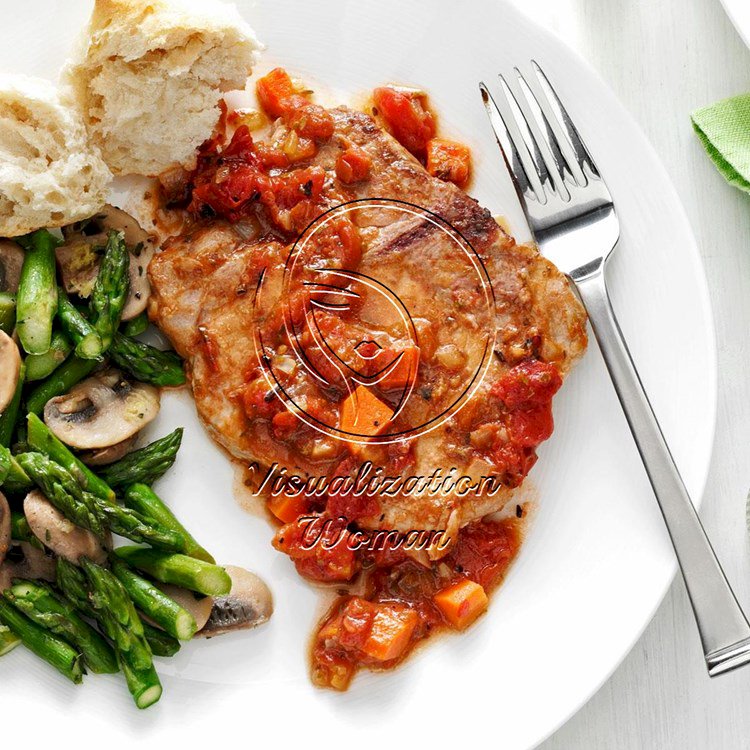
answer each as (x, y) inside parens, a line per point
(462, 602)
(390, 634)
(363, 413)
(405, 371)
(276, 93)
(288, 509)
(449, 161)
(353, 165)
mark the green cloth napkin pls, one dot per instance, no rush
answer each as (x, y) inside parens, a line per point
(724, 130)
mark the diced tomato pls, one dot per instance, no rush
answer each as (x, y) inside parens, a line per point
(259, 400)
(353, 165)
(484, 550)
(356, 632)
(272, 157)
(513, 462)
(528, 385)
(282, 193)
(449, 161)
(320, 549)
(310, 121)
(352, 506)
(276, 93)
(407, 116)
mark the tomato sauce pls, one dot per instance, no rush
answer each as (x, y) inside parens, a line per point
(402, 597)
(402, 593)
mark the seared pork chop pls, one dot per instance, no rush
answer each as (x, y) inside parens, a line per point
(205, 285)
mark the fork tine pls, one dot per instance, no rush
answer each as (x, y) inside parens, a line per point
(557, 164)
(521, 170)
(524, 131)
(582, 154)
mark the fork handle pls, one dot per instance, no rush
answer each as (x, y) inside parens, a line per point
(723, 627)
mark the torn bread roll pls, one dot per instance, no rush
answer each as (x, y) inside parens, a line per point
(49, 173)
(148, 77)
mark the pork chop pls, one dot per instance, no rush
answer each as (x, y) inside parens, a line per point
(206, 299)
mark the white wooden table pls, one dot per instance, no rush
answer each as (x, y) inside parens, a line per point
(665, 58)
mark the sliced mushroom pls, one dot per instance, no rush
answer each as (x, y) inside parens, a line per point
(248, 604)
(11, 260)
(10, 368)
(4, 527)
(80, 254)
(101, 411)
(58, 533)
(111, 454)
(200, 607)
(26, 561)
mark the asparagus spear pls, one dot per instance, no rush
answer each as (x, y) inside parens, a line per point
(155, 604)
(110, 290)
(160, 643)
(81, 332)
(9, 416)
(60, 381)
(143, 684)
(36, 301)
(141, 498)
(42, 439)
(147, 363)
(5, 456)
(119, 620)
(39, 366)
(63, 657)
(62, 490)
(40, 604)
(92, 512)
(8, 312)
(20, 530)
(12, 477)
(8, 640)
(136, 326)
(146, 464)
(134, 526)
(72, 582)
(181, 570)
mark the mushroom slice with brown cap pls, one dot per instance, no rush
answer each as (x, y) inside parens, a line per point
(80, 254)
(4, 527)
(11, 261)
(199, 606)
(26, 561)
(63, 537)
(101, 411)
(10, 368)
(104, 456)
(248, 604)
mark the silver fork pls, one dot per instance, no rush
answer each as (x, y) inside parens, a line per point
(572, 217)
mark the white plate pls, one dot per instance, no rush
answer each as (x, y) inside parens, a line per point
(597, 561)
(739, 14)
